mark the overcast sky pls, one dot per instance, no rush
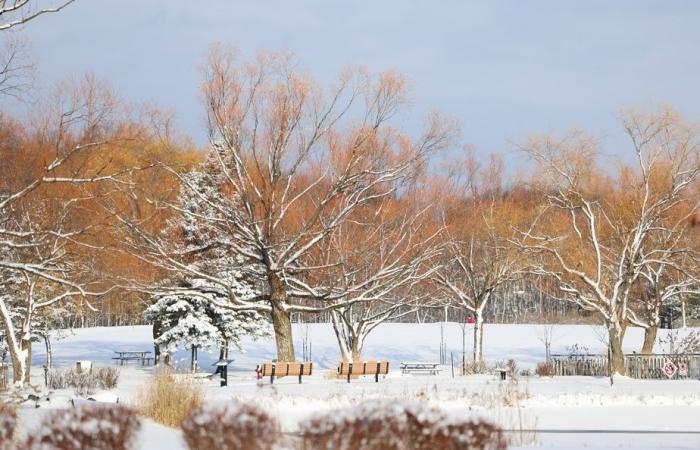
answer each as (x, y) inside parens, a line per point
(504, 69)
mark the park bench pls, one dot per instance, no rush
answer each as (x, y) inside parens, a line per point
(286, 369)
(502, 372)
(358, 368)
(420, 367)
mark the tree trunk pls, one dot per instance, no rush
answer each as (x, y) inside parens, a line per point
(617, 356)
(49, 352)
(157, 330)
(356, 349)
(345, 353)
(193, 360)
(478, 338)
(649, 339)
(281, 320)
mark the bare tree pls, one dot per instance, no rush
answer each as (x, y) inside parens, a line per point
(290, 163)
(478, 258)
(41, 200)
(16, 68)
(14, 13)
(593, 237)
(380, 261)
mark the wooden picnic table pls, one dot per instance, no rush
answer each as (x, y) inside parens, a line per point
(430, 367)
(124, 356)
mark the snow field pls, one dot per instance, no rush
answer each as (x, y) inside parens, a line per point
(560, 403)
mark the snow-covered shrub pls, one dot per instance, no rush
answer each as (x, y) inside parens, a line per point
(545, 369)
(112, 427)
(56, 379)
(473, 368)
(231, 427)
(397, 425)
(168, 400)
(8, 424)
(108, 377)
(84, 383)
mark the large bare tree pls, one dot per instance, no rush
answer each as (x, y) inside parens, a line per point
(289, 163)
(593, 233)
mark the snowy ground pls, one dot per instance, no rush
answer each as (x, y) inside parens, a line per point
(581, 403)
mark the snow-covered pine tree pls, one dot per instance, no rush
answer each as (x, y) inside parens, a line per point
(196, 308)
(192, 319)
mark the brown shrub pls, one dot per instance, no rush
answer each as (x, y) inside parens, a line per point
(168, 400)
(8, 425)
(384, 425)
(108, 377)
(231, 427)
(98, 427)
(545, 369)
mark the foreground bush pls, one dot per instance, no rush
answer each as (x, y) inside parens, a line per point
(112, 427)
(168, 400)
(8, 424)
(382, 425)
(231, 427)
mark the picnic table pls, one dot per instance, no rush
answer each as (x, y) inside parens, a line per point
(426, 367)
(124, 356)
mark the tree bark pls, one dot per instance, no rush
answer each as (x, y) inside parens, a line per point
(649, 339)
(49, 351)
(193, 361)
(478, 338)
(281, 320)
(617, 356)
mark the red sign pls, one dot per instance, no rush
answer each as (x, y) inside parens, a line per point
(682, 369)
(669, 369)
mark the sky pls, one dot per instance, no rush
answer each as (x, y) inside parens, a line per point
(504, 69)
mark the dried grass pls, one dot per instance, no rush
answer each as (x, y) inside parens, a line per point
(169, 400)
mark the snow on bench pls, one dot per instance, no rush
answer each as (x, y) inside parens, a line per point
(357, 368)
(426, 367)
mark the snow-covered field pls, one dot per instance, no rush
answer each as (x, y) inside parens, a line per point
(565, 403)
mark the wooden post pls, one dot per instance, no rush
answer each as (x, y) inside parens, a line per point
(301, 371)
(272, 374)
(376, 375)
(349, 371)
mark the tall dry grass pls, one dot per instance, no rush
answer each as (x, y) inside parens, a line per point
(168, 399)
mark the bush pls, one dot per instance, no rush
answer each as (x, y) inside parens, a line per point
(112, 427)
(512, 368)
(231, 427)
(168, 400)
(545, 369)
(84, 383)
(108, 377)
(382, 425)
(8, 424)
